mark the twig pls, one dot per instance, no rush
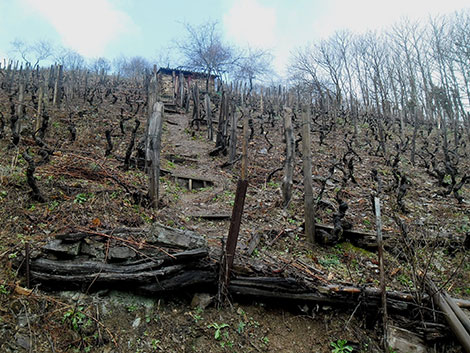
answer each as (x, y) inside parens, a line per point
(29, 326)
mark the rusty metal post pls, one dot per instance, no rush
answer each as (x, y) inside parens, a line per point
(27, 262)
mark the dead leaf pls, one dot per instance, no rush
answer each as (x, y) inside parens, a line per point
(95, 223)
(23, 291)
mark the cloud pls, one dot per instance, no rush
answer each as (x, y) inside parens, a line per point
(362, 15)
(86, 26)
(249, 22)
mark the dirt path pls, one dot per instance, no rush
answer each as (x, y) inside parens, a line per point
(190, 151)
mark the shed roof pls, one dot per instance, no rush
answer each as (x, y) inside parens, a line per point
(169, 71)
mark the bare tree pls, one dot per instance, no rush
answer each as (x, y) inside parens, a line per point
(133, 67)
(32, 53)
(253, 64)
(100, 66)
(204, 50)
(69, 59)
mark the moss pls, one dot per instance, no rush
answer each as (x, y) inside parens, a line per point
(348, 247)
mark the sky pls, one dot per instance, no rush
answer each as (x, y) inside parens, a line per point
(149, 28)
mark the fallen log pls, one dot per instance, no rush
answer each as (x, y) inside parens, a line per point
(212, 216)
(456, 320)
(205, 279)
(160, 260)
(358, 238)
(89, 267)
(290, 290)
(108, 277)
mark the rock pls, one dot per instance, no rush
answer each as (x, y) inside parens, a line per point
(121, 253)
(161, 235)
(136, 322)
(59, 247)
(263, 151)
(93, 248)
(22, 321)
(23, 341)
(404, 341)
(201, 300)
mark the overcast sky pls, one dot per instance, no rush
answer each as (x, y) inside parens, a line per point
(147, 27)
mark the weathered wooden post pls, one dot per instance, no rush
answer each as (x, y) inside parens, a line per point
(58, 87)
(261, 101)
(207, 104)
(181, 89)
(174, 87)
(378, 222)
(40, 107)
(220, 142)
(233, 138)
(17, 117)
(196, 113)
(153, 139)
(307, 167)
(289, 162)
(237, 210)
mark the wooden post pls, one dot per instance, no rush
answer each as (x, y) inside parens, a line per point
(40, 107)
(261, 101)
(234, 229)
(175, 86)
(16, 123)
(220, 142)
(290, 156)
(233, 138)
(244, 171)
(378, 222)
(307, 167)
(237, 211)
(196, 113)
(181, 89)
(154, 138)
(58, 87)
(207, 104)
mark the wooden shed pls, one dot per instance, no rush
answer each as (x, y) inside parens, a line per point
(170, 80)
